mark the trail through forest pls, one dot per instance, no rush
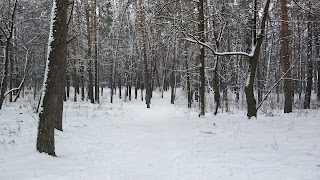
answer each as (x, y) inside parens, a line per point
(125, 140)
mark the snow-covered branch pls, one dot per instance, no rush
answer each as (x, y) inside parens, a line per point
(193, 39)
(24, 77)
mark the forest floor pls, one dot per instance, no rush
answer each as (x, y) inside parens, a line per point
(127, 141)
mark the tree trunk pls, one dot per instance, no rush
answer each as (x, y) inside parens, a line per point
(120, 86)
(96, 51)
(173, 75)
(318, 50)
(201, 21)
(89, 56)
(307, 97)
(172, 84)
(74, 73)
(216, 87)
(55, 79)
(189, 95)
(144, 54)
(287, 88)
(317, 47)
(253, 61)
(251, 101)
(68, 79)
(11, 75)
(6, 57)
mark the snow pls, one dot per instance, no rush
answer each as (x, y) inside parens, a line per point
(125, 140)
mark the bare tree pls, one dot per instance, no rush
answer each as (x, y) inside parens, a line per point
(144, 51)
(8, 33)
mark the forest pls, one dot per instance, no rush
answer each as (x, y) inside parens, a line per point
(254, 60)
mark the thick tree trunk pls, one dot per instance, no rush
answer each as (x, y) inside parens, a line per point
(287, 89)
(259, 84)
(251, 101)
(253, 62)
(52, 97)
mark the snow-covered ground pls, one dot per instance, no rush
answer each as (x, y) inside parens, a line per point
(125, 140)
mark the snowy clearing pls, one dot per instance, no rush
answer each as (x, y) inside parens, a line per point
(125, 140)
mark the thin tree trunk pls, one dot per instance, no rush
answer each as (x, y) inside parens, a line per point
(144, 53)
(317, 46)
(89, 56)
(96, 51)
(173, 75)
(201, 29)
(189, 95)
(307, 97)
(75, 76)
(6, 56)
(11, 74)
(216, 87)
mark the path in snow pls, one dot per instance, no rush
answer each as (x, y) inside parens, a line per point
(126, 140)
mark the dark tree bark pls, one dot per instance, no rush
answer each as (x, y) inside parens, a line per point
(56, 70)
(144, 54)
(112, 82)
(189, 92)
(68, 84)
(119, 85)
(253, 61)
(11, 74)
(201, 29)
(318, 55)
(136, 89)
(89, 55)
(96, 52)
(287, 89)
(75, 74)
(173, 75)
(172, 84)
(8, 38)
(307, 97)
(216, 87)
